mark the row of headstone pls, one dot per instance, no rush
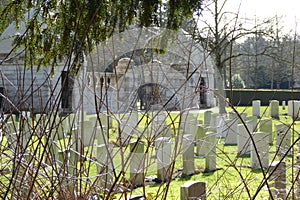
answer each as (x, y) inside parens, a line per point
(293, 108)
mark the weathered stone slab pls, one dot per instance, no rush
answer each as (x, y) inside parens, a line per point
(193, 190)
(277, 172)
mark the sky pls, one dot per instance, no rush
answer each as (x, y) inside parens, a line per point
(289, 10)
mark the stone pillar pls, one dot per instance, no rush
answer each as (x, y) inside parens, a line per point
(243, 139)
(262, 147)
(163, 155)
(188, 154)
(210, 158)
(207, 117)
(278, 177)
(274, 109)
(256, 108)
(137, 163)
(193, 190)
(265, 125)
(231, 131)
(200, 139)
(283, 139)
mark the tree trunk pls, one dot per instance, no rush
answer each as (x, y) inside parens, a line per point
(221, 95)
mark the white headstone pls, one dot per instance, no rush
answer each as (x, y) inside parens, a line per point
(200, 139)
(256, 108)
(293, 108)
(243, 139)
(105, 165)
(231, 131)
(210, 157)
(207, 117)
(163, 155)
(137, 163)
(283, 139)
(259, 150)
(274, 109)
(265, 125)
(188, 154)
(221, 129)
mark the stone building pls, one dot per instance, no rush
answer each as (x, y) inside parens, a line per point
(130, 73)
(125, 72)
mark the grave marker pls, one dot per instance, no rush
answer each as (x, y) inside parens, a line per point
(163, 155)
(256, 108)
(278, 176)
(243, 139)
(262, 147)
(274, 109)
(210, 157)
(188, 154)
(193, 190)
(137, 163)
(265, 125)
(283, 139)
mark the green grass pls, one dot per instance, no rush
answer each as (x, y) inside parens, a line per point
(230, 181)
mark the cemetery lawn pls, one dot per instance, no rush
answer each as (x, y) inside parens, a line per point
(233, 179)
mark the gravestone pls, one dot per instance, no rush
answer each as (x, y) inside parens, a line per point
(105, 165)
(87, 133)
(200, 139)
(298, 179)
(253, 121)
(283, 104)
(188, 123)
(193, 190)
(128, 123)
(188, 154)
(158, 124)
(243, 139)
(163, 155)
(274, 109)
(213, 122)
(221, 129)
(137, 163)
(207, 117)
(283, 139)
(256, 108)
(261, 153)
(265, 125)
(231, 131)
(210, 157)
(277, 172)
(293, 108)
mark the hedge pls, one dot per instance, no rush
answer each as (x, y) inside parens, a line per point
(244, 97)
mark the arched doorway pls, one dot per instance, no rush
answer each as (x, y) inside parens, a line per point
(150, 94)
